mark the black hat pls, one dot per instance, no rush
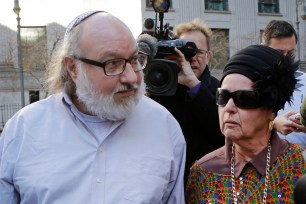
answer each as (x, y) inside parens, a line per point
(269, 69)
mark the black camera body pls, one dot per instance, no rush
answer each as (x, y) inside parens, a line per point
(160, 74)
(164, 48)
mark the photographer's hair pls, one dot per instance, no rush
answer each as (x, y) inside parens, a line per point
(277, 29)
(195, 25)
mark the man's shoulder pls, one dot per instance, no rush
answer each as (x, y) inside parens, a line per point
(148, 105)
(35, 114)
(156, 118)
(39, 108)
(209, 80)
(215, 81)
(147, 101)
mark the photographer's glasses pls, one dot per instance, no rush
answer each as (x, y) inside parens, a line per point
(201, 52)
(117, 66)
(243, 99)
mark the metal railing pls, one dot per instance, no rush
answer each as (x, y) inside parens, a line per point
(6, 112)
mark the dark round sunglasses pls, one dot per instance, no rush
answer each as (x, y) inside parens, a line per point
(244, 99)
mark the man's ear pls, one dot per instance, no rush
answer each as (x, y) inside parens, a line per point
(71, 67)
(208, 56)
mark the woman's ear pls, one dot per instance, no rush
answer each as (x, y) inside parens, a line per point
(71, 67)
(272, 117)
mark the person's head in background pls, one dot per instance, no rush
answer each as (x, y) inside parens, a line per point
(97, 65)
(281, 36)
(198, 32)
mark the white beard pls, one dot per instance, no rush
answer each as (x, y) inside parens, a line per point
(102, 105)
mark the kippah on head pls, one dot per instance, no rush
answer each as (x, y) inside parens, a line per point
(78, 20)
(270, 71)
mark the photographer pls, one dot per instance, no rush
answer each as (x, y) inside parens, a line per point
(194, 103)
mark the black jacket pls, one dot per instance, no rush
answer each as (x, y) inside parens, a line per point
(198, 117)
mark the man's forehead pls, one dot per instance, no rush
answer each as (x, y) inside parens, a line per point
(285, 44)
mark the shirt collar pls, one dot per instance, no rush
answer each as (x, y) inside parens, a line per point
(66, 99)
(260, 161)
(205, 77)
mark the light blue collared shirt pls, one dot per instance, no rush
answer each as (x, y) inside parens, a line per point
(50, 154)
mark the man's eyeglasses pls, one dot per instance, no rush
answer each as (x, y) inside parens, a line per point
(243, 99)
(117, 66)
(201, 52)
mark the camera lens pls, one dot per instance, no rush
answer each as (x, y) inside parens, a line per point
(159, 78)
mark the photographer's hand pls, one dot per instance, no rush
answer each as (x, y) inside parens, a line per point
(186, 76)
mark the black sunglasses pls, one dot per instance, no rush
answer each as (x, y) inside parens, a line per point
(243, 99)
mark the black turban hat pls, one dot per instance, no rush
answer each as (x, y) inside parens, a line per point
(270, 70)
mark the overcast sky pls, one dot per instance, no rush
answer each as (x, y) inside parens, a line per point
(42, 12)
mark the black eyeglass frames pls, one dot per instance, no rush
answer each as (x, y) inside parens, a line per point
(201, 52)
(117, 66)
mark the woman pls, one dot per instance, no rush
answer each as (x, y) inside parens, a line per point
(255, 165)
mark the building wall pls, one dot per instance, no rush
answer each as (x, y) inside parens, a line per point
(9, 73)
(8, 48)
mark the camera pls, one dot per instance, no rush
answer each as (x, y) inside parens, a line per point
(164, 48)
(161, 75)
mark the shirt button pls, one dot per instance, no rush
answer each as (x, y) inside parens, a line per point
(99, 180)
(100, 149)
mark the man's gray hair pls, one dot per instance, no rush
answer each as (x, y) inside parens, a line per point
(57, 77)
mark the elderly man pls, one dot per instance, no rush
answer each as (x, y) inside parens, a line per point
(97, 138)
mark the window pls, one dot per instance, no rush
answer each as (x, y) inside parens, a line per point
(268, 6)
(220, 48)
(216, 5)
(33, 47)
(260, 36)
(149, 4)
(33, 96)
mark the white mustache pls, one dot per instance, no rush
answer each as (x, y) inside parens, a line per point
(125, 87)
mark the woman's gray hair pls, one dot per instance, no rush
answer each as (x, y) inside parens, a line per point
(57, 77)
